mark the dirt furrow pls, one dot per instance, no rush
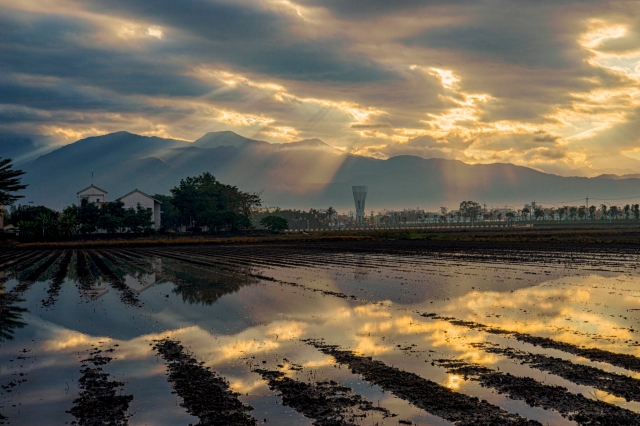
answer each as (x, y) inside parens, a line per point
(463, 410)
(98, 402)
(575, 407)
(205, 394)
(616, 384)
(58, 279)
(327, 402)
(32, 276)
(626, 361)
(127, 296)
(85, 278)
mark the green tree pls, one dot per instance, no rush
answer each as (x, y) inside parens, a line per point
(470, 210)
(88, 215)
(573, 212)
(275, 223)
(10, 182)
(202, 200)
(138, 219)
(592, 212)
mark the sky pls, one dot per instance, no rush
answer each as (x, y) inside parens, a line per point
(553, 85)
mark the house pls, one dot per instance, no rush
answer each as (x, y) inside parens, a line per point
(92, 194)
(132, 199)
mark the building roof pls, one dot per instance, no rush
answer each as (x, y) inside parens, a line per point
(92, 186)
(137, 190)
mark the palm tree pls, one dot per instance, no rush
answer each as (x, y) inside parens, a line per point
(9, 182)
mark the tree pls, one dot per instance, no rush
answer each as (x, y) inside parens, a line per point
(603, 208)
(138, 219)
(88, 215)
(331, 214)
(275, 223)
(205, 201)
(525, 212)
(538, 213)
(10, 182)
(627, 209)
(573, 212)
(592, 212)
(510, 216)
(470, 210)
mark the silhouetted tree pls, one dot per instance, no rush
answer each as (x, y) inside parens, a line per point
(10, 182)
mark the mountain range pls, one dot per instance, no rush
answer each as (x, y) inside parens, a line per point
(303, 174)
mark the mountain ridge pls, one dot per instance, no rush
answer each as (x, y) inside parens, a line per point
(302, 174)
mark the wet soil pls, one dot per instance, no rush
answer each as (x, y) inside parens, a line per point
(205, 394)
(127, 296)
(98, 402)
(455, 407)
(626, 361)
(575, 407)
(616, 384)
(327, 402)
(85, 279)
(57, 280)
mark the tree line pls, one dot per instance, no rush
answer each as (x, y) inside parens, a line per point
(197, 202)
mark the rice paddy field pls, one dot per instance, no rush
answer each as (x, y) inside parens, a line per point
(324, 333)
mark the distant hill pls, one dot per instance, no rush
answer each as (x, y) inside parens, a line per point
(301, 174)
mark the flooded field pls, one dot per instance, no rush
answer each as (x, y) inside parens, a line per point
(350, 333)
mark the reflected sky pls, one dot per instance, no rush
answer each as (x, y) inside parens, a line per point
(234, 322)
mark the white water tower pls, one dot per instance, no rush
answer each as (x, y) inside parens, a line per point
(359, 196)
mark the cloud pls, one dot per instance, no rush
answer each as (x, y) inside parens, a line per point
(553, 85)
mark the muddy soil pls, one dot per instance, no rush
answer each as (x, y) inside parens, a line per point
(127, 296)
(455, 407)
(327, 402)
(575, 407)
(616, 384)
(98, 402)
(205, 394)
(58, 279)
(626, 361)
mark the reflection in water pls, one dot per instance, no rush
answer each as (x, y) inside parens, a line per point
(206, 286)
(232, 325)
(10, 316)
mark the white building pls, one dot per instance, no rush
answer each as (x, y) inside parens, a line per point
(92, 194)
(132, 199)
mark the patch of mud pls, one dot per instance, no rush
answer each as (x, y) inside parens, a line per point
(463, 410)
(127, 296)
(327, 402)
(98, 402)
(204, 394)
(31, 277)
(616, 384)
(85, 279)
(574, 407)
(58, 279)
(626, 361)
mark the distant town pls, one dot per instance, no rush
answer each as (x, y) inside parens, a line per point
(204, 205)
